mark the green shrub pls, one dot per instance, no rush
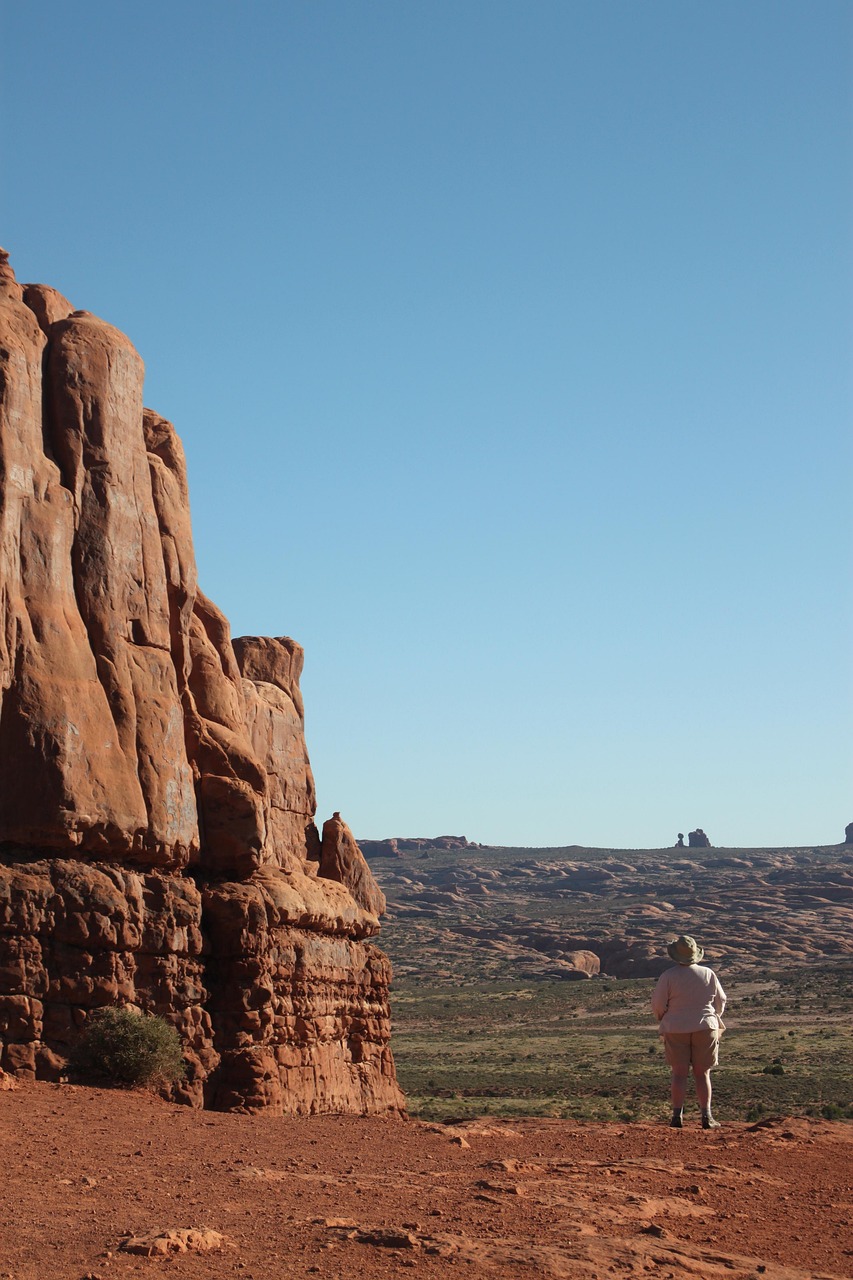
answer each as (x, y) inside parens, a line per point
(837, 1111)
(128, 1048)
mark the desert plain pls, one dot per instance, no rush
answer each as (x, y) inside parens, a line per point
(494, 1012)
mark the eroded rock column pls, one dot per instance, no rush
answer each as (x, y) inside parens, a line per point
(157, 839)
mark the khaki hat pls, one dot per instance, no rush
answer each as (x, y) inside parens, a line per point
(685, 950)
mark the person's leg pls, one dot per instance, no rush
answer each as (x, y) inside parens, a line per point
(677, 1050)
(678, 1089)
(704, 1054)
(703, 1088)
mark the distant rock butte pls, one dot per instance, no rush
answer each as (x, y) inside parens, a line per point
(157, 837)
(398, 845)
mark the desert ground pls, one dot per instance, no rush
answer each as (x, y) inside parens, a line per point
(87, 1172)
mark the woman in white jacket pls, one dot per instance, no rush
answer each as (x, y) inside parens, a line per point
(688, 1003)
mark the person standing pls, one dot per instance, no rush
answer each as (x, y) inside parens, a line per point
(688, 1003)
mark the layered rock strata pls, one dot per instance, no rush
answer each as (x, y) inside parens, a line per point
(157, 837)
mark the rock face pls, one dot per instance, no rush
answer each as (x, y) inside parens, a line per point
(157, 837)
(698, 840)
(342, 860)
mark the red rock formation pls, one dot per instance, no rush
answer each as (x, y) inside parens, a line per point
(342, 860)
(381, 848)
(398, 845)
(585, 962)
(275, 720)
(299, 995)
(157, 838)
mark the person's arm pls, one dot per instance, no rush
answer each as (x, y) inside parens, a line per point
(660, 997)
(719, 997)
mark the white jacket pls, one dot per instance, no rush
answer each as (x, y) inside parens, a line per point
(688, 997)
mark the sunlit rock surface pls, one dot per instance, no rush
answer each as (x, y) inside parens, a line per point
(157, 837)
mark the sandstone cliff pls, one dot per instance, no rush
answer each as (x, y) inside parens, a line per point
(157, 837)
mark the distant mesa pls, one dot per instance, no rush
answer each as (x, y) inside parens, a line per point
(698, 840)
(848, 833)
(157, 839)
(396, 846)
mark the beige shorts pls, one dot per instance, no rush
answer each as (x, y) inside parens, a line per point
(699, 1049)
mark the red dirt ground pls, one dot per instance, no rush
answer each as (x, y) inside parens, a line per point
(339, 1197)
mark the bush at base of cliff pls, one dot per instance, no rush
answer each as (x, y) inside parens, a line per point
(128, 1048)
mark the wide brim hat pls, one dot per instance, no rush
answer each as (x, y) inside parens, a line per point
(685, 950)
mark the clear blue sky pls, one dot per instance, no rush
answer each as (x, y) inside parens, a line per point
(510, 346)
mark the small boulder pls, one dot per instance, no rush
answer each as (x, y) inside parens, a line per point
(586, 962)
(165, 1243)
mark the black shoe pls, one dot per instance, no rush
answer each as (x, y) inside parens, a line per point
(676, 1122)
(708, 1121)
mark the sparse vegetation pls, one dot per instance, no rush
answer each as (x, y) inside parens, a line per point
(489, 1020)
(837, 1111)
(590, 1051)
(128, 1048)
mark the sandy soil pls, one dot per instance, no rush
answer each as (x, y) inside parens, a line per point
(84, 1169)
